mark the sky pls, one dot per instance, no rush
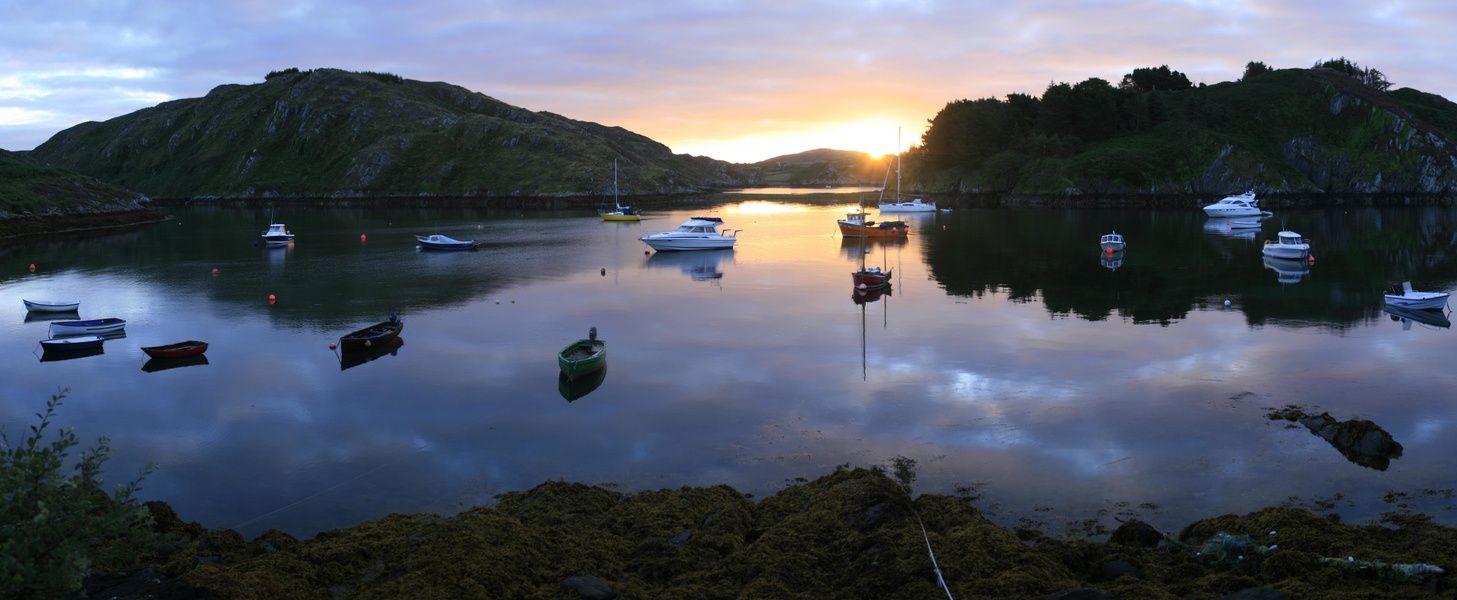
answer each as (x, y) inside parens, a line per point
(740, 81)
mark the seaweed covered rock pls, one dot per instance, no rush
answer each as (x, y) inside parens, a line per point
(1361, 441)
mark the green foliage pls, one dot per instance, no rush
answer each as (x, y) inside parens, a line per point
(1369, 77)
(54, 527)
(385, 77)
(1253, 69)
(1149, 79)
(288, 71)
(29, 187)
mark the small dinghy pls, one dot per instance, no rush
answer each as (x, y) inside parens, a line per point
(436, 241)
(1405, 297)
(583, 356)
(51, 305)
(91, 327)
(373, 335)
(178, 350)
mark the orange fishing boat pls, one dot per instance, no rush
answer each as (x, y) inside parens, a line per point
(854, 225)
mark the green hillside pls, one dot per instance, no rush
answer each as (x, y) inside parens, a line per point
(31, 190)
(822, 166)
(331, 132)
(1330, 129)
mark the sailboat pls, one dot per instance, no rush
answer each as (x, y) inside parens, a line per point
(870, 278)
(912, 205)
(621, 213)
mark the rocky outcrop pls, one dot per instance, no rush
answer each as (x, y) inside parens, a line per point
(1359, 440)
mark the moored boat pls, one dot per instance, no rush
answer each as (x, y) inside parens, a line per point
(620, 213)
(436, 241)
(855, 225)
(905, 206)
(1240, 205)
(277, 235)
(697, 233)
(1405, 297)
(89, 327)
(1287, 245)
(373, 335)
(177, 350)
(51, 305)
(583, 356)
(869, 278)
(1112, 242)
(72, 344)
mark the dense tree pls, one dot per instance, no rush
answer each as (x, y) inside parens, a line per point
(1254, 68)
(1149, 79)
(1369, 77)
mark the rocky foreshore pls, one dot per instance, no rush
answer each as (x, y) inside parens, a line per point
(854, 533)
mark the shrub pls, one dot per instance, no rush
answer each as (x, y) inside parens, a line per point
(53, 527)
(288, 71)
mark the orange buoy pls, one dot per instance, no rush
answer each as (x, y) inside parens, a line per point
(1310, 259)
(272, 298)
(332, 345)
(32, 267)
(363, 238)
(644, 253)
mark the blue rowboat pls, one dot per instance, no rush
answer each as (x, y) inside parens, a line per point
(90, 327)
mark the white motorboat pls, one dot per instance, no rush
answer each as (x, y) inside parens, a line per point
(698, 233)
(1406, 297)
(90, 327)
(277, 235)
(912, 205)
(50, 305)
(1287, 270)
(1112, 242)
(1242, 205)
(436, 241)
(1287, 245)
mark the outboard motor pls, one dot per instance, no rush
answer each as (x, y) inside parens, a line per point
(592, 334)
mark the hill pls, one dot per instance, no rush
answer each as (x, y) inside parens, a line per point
(328, 132)
(29, 190)
(1334, 128)
(818, 167)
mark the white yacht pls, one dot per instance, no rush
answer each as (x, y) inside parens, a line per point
(698, 233)
(1243, 205)
(1406, 297)
(1287, 245)
(277, 235)
(912, 205)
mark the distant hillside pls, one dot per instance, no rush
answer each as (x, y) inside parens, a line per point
(820, 167)
(331, 132)
(29, 190)
(1330, 129)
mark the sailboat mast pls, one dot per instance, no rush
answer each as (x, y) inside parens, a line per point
(897, 164)
(615, 201)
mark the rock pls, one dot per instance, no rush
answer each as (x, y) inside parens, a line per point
(1113, 569)
(1138, 534)
(681, 538)
(272, 540)
(1257, 593)
(589, 587)
(1079, 594)
(142, 584)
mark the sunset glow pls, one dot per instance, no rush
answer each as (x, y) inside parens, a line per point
(740, 81)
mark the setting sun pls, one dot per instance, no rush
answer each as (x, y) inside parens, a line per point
(873, 136)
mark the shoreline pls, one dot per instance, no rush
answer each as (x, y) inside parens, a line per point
(23, 227)
(850, 533)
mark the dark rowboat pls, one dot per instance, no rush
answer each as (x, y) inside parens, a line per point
(373, 335)
(178, 350)
(583, 356)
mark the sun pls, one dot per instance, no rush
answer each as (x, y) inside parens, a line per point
(873, 136)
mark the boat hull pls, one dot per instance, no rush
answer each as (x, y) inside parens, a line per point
(448, 247)
(50, 306)
(908, 207)
(1287, 251)
(680, 244)
(93, 327)
(72, 344)
(612, 216)
(870, 280)
(856, 230)
(1112, 246)
(374, 335)
(178, 350)
(1427, 301)
(1232, 212)
(582, 357)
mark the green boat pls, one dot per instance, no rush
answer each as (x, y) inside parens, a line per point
(583, 356)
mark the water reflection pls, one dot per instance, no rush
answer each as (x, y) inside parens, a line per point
(1014, 360)
(1287, 270)
(572, 389)
(698, 265)
(351, 357)
(1111, 260)
(1242, 229)
(59, 354)
(46, 317)
(154, 365)
(1406, 316)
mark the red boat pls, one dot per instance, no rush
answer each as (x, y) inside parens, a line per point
(870, 278)
(178, 350)
(854, 225)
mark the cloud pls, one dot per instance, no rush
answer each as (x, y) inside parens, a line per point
(736, 80)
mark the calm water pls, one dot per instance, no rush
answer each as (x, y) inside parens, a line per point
(1011, 358)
